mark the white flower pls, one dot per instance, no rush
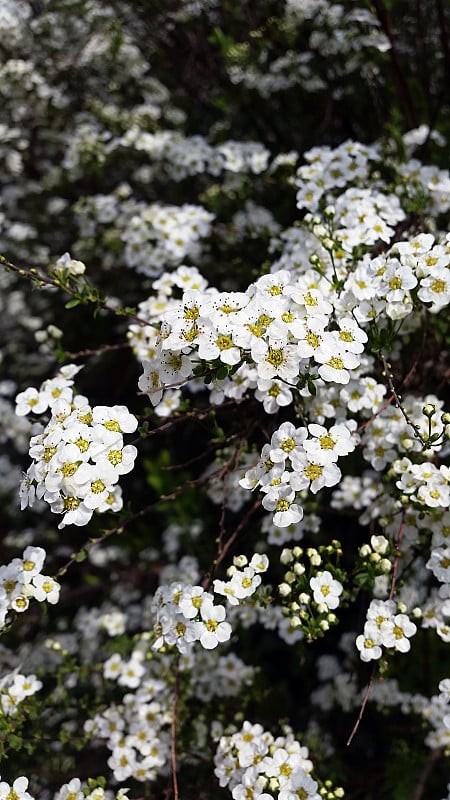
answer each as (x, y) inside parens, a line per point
(286, 511)
(286, 441)
(395, 632)
(70, 791)
(335, 363)
(368, 648)
(339, 440)
(351, 336)
(299, 785)
(45, 588)
(30, 401)
(276, 360)
(326, 589)
(243, 584)
(116, 419)
(112, 666)
(439, 564)
(191, 601)
(95, 482)
(213, 628)
(18, 791)
(314, 471)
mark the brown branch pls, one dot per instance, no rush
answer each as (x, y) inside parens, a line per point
(97, 351)
(41, 280)
(362, 709)
(397, 546)
(230, 541)
(133, 517)
(397, 398)
(404, 94)
(444, 36)
(173, 736)
(425, 774)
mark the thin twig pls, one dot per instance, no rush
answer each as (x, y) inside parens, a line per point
(397, 545)
(362, 709)
(173, 736)
(97, 351)
(230, 541)
(404, 93)
(425, 774)
(389, 377)
(41, 280)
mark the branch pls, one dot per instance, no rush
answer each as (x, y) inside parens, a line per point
(173, 736)
(362, 709)
(85, 294)
(425, 774)
(397, 546)
(399, 77)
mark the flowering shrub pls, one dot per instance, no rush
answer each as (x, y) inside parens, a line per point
(225, 275)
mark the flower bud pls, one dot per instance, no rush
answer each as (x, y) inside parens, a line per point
(286, 556)
(380, 544)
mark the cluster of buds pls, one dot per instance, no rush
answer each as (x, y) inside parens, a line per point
(312, 587)
(374, 561)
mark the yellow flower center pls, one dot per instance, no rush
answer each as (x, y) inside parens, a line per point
(312, 339)
(115, 457)
(395, 283)
(327, 443)
(438, 286)
(275, 357)
(49, 452)
(313, 471)
(224, 342)
(112, 425)
(97, 487)
(335, 363)
(71, 503)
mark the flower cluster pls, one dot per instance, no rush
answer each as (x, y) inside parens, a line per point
(74, 790)
(386, 626)
(244, 578)
(251, 762)
(311, 453)
(22, 580)
(187, 614)
(136, 731)
(14, 688)
(80, 454)
(310, 594)
(282, 292)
